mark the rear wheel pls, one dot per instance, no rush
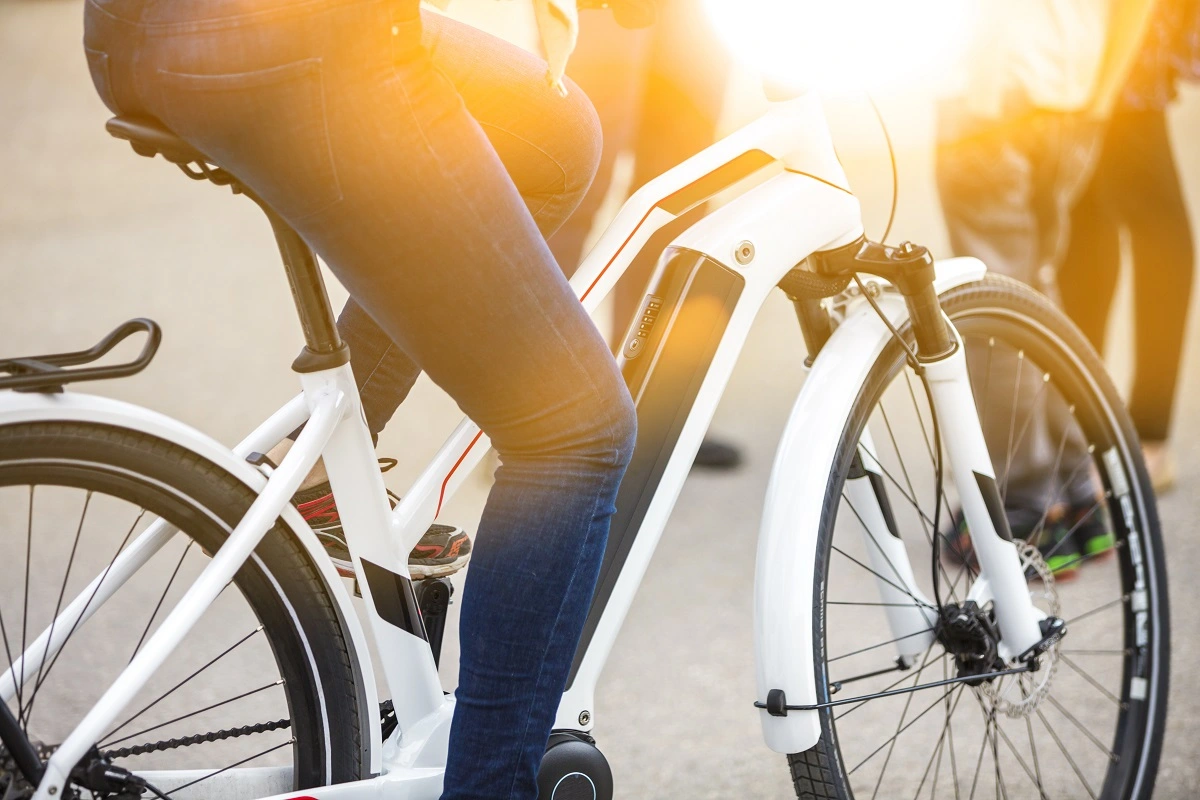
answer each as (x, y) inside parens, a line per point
(1090, 722)
(259, 698)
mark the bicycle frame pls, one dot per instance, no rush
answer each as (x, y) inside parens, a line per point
(705, 294)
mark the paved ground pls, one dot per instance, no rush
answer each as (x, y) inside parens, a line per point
(90, 235)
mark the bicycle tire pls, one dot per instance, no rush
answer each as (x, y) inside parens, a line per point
(279, 583)
(821, 772)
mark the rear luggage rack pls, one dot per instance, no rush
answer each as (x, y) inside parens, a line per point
(46, 373)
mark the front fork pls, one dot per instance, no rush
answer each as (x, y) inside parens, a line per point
(939, 354)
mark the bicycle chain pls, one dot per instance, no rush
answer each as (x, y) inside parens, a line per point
(199, 738)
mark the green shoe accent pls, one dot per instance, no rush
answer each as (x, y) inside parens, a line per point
(1064, 563)
(1096, 545)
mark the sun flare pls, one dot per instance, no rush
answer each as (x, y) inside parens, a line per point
(845, 45)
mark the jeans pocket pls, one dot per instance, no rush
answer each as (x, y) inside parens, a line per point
(267, 127)
(101, 79)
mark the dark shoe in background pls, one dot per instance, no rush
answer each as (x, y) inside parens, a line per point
(716, 454)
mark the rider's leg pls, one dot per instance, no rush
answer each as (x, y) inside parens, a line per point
(529, 127)
(370, 152)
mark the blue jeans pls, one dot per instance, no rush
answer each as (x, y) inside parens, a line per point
(425, 162)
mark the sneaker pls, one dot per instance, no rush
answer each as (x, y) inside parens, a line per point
(718, 455)
(1057, 543)
(1093, 534)
(442, 551)
(1053, 537)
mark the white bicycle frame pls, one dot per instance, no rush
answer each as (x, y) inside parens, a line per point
(707, 290)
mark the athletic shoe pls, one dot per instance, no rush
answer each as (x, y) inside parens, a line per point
(1093, 534)
(442, 551)
(1054, 539)
(716, 454)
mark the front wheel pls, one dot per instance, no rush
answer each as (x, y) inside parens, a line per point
(1089, 723)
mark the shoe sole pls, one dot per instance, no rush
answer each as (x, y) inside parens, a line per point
(417, 572)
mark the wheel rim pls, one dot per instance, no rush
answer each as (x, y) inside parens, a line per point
(62, 524)
(1098, 704)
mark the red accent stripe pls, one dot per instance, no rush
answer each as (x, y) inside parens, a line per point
(322, 506)
(442, 496)
(616, 254)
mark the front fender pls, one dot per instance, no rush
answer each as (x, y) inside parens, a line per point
(787, 545)
(18, 408)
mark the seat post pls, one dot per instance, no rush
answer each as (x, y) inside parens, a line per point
(324, 348)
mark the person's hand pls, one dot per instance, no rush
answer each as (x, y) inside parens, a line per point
(627, 13)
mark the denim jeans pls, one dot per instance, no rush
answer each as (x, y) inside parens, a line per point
(425, 162)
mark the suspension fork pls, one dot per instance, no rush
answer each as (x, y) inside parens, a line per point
(911, 616)
(939, 354)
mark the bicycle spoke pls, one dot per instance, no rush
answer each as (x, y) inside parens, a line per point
(95, 591)
(1037, 768)
(881, 605)
(887, 688)
(162, 598)
(926, 522)
(966, 567)
(1083, 729)
(939, 748)
(1012, 423)
(899, 725)
(1087, 677)
(1033, 410)
(1067, 536)
(1065, 752)
(234, 765)
(896, 586)
(25, 608)
(979, 761)
(62, 593)
(953, 758)
(8, 654)
(987, 396)
(996, 729)
(1122, 599)
(934, 756)
(1000, 790)
(881, 644)
(871, 538)
(108, 744)
(911, 722)
(170, 691)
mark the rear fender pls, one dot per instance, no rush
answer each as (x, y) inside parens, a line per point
(16, 408)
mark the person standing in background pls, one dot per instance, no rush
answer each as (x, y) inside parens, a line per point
(658, 92)
(1135, 188)
(1016, 143)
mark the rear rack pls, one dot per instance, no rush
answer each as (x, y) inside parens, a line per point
(46, 373)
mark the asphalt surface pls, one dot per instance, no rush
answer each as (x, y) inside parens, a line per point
(91, 235)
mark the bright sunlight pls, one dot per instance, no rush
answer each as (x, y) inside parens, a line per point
(847, 45)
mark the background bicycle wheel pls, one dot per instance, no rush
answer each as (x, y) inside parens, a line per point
(91, 235)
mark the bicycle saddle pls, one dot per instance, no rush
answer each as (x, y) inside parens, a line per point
(149, 138)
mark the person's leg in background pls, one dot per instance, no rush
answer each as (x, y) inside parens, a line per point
(998, 183)
(1087, 277)
(1140, 185)
(659, 93)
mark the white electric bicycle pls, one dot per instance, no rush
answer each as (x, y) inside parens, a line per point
(173, 628)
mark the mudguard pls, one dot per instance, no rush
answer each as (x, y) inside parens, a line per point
(783, 586)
